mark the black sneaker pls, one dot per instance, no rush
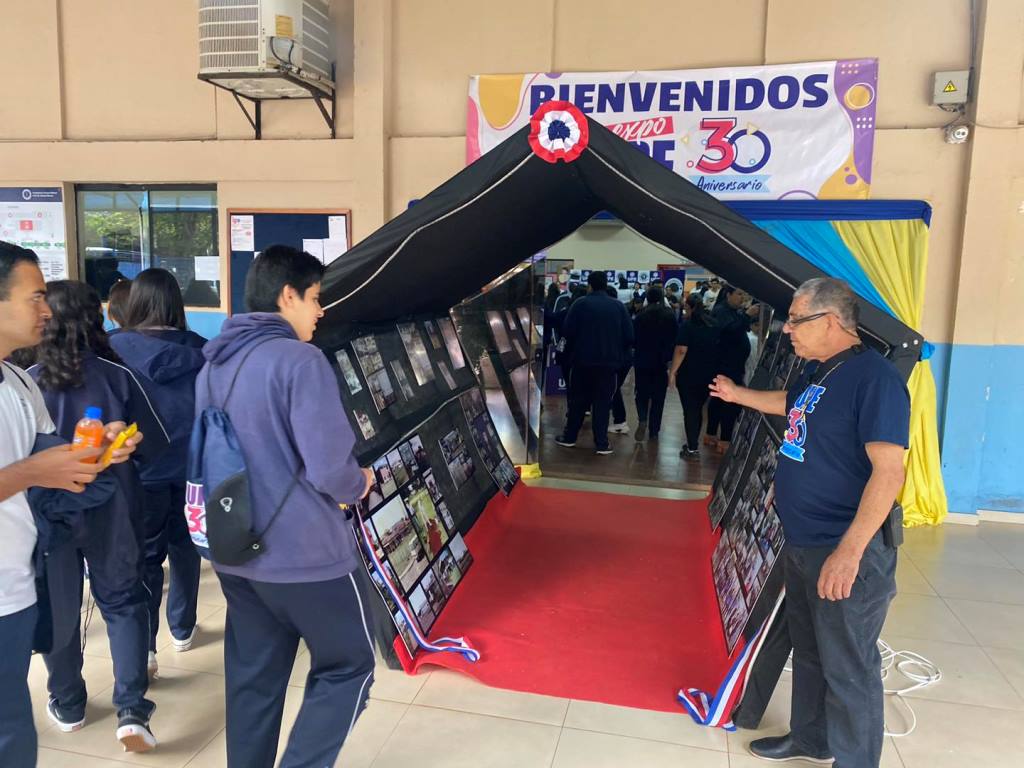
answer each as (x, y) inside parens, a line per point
(641, 432)
(689, 453)
(565, 442)
(781, 749)
(133, 731)
(66, 723)
(604, 451)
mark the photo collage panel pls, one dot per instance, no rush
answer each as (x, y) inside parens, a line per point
(750, 543)
(412, 532)
(488, 444)
(735, 462)
(456, 456)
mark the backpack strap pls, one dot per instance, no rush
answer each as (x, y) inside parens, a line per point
(234, 377)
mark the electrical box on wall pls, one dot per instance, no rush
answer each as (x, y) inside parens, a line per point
(951, 87)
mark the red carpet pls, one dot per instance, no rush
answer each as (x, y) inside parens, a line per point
(588, 596)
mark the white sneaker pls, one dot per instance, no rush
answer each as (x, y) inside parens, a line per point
(151, 666)
(184, 645)
(619, 429)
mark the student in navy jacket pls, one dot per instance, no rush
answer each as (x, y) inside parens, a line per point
(286, 410)
(160, 350)
(76, 369)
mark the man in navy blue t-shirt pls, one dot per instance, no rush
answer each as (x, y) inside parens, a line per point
(839, 471)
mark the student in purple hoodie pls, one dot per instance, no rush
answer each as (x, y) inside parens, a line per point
(157, 345)
(286, 410)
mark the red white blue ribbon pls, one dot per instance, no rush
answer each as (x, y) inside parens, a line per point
(558, 131)
(453, 644)
(716, 711)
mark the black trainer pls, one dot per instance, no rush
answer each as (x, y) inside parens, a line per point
(133, 731)
(565, 442)
(606, 451)
(781, 749)
(66, 722)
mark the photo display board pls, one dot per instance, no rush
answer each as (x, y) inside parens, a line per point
(415, 406)
(743, 502)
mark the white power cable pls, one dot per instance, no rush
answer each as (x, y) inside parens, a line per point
(914, 667)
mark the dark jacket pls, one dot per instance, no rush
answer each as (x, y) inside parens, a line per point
(598, 332)
(654, 330)
(61, 518)
(733, 342)
(701, 363)
(167, 362)
(286, 411)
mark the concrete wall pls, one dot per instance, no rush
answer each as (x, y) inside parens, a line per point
(106, 91)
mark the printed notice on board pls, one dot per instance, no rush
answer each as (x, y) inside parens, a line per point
(207, 268)
(33, 218)
(242, 234)
(314, 248)
(333, 249)
(337, 229)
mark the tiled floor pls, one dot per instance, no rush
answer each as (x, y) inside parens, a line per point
(961, 604)
(648, 463)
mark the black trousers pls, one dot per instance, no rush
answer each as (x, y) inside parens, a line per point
(590, 387)
(651, 385)
(618, 404)
(837, 683)
(264, 624)
(18, 740)
(692, 396)
(167, 537)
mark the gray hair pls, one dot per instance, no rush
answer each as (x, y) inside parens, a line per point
(826, 294)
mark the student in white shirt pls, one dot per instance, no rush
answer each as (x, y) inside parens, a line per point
(23, 314)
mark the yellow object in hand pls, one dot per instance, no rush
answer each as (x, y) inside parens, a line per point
(119, 441)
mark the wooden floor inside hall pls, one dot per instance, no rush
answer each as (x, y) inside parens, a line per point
(647, 463)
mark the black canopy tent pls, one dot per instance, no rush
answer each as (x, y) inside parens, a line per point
(511, 204)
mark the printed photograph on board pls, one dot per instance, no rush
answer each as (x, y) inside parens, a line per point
(385, 477)
(365, 425)
(447, 572)
(348, 372)
(446, 374)
(461, 553)
(446, 515)
(431, 484)
(473, 403)
(405, 632)
(403, 381)
(420, 453)
(409, 458)
(367, 354)
(434, 591)
(378, 582)
(379, 384)
(422, 609)
(460, 464)
(432, 334)
(451, 341)
(426, 518)
(422, 370)
(506, 476)
(398, 468)
(400, 542)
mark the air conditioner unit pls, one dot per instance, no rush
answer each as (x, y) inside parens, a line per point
(245, 45)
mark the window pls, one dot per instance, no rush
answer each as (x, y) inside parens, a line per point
(124, 229)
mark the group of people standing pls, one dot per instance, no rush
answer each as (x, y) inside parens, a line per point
(124, 518)
(666, 341)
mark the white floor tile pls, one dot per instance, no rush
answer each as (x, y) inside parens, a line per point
(438, 738)
(950, 543)
(586, 749)
(1011, 663)
(1000, 626)
(453, 690)
(910, 580)
(925, 617)
(975, 582)
(955, 736)
(643, 724)
(968, 675)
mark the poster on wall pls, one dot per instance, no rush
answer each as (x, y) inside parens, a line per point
(789, 131)
(33, 218)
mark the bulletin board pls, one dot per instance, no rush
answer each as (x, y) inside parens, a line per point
(326, 233)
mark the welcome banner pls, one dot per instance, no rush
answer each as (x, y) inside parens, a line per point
(792, 131)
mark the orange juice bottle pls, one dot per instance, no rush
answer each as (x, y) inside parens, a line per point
(89, 431)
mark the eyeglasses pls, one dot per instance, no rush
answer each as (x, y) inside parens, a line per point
(793, 322)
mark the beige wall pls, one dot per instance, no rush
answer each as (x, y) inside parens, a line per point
(115, 98)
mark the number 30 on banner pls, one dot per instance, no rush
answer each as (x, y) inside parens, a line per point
(721, 147)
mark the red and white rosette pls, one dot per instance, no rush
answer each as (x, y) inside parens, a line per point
(558, 131)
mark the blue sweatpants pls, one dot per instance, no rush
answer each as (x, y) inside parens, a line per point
(264, 624)
(17, 729)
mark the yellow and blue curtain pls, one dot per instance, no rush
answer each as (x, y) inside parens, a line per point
(880, 247)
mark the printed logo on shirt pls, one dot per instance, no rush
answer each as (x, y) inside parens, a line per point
(796, 434)
(195, 514)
